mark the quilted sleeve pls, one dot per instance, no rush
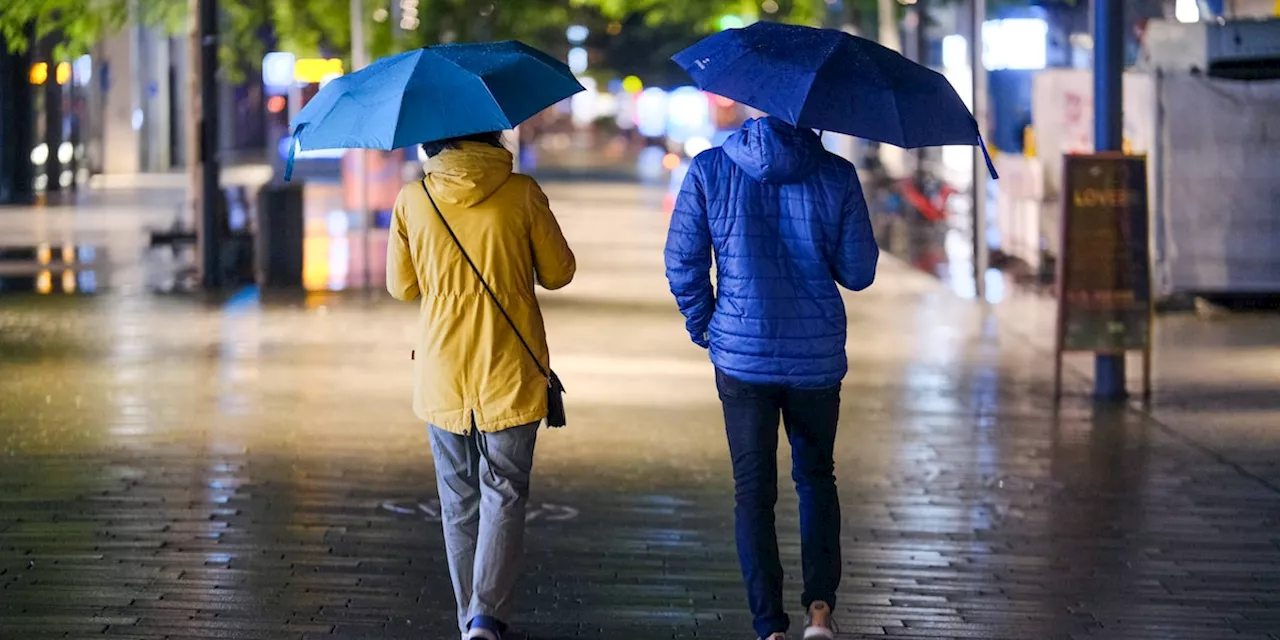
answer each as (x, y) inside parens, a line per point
(856, 257)
(688, 256)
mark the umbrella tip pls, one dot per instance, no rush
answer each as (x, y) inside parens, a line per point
(293, 150)
(986, 155)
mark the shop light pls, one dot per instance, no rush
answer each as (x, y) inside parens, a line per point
(277, 69)
(39, 73)
(88, 281)
(955, 52)
(688, 114)
(62, 73)
(44, 282)
(82, 70)
(1188, 11)
(577, 60)
(583, 104)
(313, 70)
(1015, 43)
(632, 84)
(651, 112)
(695, 146)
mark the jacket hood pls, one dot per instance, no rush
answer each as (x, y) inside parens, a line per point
(468, 175)
(772, 151)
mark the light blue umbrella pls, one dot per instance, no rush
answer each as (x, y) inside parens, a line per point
(430, 94)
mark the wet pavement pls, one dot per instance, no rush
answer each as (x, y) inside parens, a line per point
(182, 467)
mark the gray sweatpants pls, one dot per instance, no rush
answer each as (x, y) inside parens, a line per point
(483, 481)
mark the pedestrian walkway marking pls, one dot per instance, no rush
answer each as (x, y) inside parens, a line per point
(430, 510)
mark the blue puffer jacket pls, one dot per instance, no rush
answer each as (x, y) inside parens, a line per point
(787, 222)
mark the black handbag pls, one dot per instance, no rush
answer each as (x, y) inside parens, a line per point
(555, 390)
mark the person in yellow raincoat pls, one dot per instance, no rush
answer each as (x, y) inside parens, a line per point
(475, 384)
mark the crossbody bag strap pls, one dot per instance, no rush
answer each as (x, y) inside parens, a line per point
(476, 270)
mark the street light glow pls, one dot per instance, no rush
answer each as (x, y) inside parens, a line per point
(1187, 11)
(577, 34)
(577, 59)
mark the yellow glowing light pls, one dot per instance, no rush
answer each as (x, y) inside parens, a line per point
(68, 253)
(39, 72)
(44, 282)
(43, 254)
(313, 70)
(63, 72)
(315, 263)
(632, 84)
(670, 162)
(68, 281)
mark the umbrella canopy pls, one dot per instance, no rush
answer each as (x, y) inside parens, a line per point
(430, 94)
(832, 81)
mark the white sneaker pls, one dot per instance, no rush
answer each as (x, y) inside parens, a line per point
(818, 624)
(481, 634)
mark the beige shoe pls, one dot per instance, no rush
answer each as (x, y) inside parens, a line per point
(818, 624)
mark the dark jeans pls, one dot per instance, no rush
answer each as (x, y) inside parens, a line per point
(751, 415)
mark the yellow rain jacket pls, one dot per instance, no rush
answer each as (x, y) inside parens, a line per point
(469, 366)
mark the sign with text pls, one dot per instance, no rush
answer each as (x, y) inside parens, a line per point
(1104, 279)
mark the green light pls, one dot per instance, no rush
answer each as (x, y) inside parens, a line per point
(731, 22)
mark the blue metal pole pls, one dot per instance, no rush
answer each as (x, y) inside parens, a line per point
(1108, 106)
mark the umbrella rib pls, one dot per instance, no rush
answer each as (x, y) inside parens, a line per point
(809, 90)
(484, 84)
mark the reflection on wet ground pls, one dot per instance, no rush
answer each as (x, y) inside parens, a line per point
(44, 269)
(248, 467)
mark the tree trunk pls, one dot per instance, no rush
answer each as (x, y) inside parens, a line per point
(892, 158)
(195, 174)
(887, 13)
(16, 125)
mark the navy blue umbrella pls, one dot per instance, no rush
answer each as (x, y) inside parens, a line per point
(832, 81)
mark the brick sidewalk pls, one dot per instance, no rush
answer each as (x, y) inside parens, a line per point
(178, 469)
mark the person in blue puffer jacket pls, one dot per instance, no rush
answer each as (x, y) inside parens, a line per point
(787, 225)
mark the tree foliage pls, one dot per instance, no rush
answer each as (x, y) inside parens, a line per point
(322, 27)
(78, 24)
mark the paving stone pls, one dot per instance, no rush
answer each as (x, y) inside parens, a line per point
(193, 468)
